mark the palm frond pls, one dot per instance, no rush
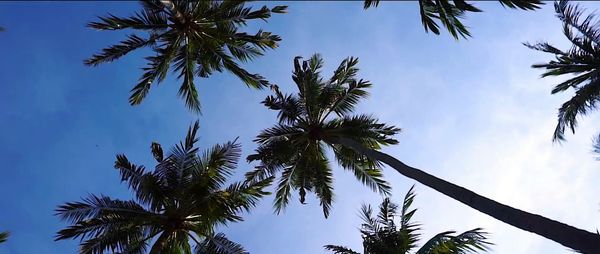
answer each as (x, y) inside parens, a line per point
(245, 195)
(217, 163)
(528, 5)
(130, 173)
(324, 184)
(580, 60)
(340, 249)
(4, 236)
(370, 224)
(364, 129)
(115, 240)
(409, 229)
(185, 62)
(365, 170)
(284, 190)
(471, 241)
(155, 70)
(451, 13)
(290, 107)
(142, 21)
(94, 206)
(370, 3)
(219, 244)
(387, 212)
(581, 103)
(116, 51)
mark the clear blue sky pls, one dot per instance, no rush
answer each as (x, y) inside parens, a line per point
(473, 112)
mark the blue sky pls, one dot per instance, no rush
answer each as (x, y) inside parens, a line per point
(472, 112)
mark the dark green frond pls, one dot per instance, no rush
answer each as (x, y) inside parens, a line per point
(219, 162)
(155, 70)
(362, 128)
(284, 189)
(140, 21)
(387, 212)
(366, 171)
(451, 13)
(584, 100)
(219, 244)
(94, 206)
(116, 51)
(323, 183)
(185, 63)
(245, 195)
(130, 173)
(340, 249)
(4, 236)
(370, 223)
(528, 5)
(471, 241)
(581, 60)
(370, 3)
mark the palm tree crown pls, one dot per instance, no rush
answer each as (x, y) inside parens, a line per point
(195, 38)
(450, 13)
(581, 60)
(382, 235)
(183, 199)
(308, 122)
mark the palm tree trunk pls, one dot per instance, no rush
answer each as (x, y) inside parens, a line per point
(569, 236)
(160, 243)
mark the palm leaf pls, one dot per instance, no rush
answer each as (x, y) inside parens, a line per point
(219, 244)
(471, 241)
(4, 236)
(450, 13)
(340, 249)
(580, 60)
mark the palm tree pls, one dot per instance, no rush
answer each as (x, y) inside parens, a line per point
(381, 234)
(450, 13)
(581, 60)
(195, 38)
(182, 200)
(4, 236)
(295, 146)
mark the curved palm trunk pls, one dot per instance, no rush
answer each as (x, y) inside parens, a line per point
(569, 236)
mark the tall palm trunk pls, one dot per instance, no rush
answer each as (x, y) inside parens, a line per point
(569, 236)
